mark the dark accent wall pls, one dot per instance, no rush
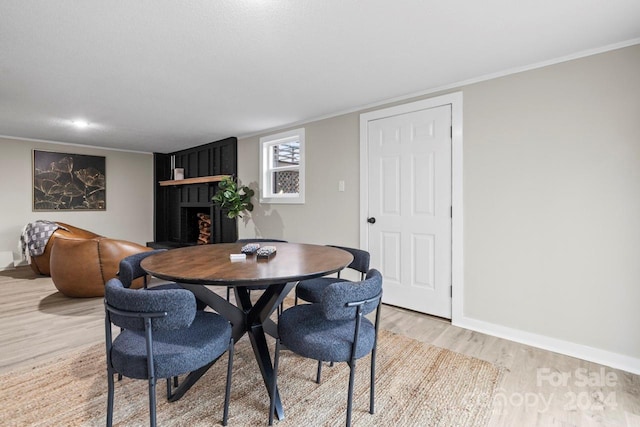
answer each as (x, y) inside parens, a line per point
(176, 205)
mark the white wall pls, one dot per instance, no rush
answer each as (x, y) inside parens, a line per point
(551, 200)
(328, 216)
(129, 213)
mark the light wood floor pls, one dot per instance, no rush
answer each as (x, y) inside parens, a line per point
(539, 388)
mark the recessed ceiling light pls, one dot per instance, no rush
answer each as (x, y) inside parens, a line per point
(80, 124)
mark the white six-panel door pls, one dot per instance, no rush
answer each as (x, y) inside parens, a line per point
(409, 208)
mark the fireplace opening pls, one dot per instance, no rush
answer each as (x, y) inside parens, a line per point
(196, 223)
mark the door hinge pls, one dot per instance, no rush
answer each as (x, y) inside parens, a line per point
(451, 212)
(451, 131)
(451, 291)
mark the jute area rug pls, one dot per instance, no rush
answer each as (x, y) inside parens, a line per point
(417, 385)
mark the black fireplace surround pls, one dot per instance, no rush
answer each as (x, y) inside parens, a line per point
(177, 207)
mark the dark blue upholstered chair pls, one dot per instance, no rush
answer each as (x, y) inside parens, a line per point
(334, 330)
(163, 336)
(254, 240)
(311, 290)
(129, 270)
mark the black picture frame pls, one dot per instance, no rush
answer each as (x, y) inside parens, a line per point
(66, 181)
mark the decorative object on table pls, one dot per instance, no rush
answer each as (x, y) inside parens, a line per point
(237, 257)
(256, 240)
(204, 225)
(250, 248)
(266, 251)
(233, 198)
(63, 181)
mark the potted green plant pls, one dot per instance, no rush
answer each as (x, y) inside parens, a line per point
(232, 198)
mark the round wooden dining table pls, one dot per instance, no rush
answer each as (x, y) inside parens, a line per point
(195, 267)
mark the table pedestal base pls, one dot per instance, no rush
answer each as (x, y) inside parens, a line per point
(245, 318)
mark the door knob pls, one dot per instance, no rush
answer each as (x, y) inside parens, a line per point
(371, 220)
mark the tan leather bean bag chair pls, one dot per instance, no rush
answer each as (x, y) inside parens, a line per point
(40, 264)
(81, 262)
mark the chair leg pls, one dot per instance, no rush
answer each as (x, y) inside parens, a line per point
(169, 388)
(274, 383)
(227, 393)
(320, 370)
(152, 402)
(372, 391)
(280, 309)
(352, 375)
(228, 293)
(110, 399)
(119, 374)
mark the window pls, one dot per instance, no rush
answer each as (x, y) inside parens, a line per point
(282, 167)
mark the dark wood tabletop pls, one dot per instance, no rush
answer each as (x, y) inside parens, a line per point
(211, 264)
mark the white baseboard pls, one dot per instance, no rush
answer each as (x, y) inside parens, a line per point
(20, 262)
(591, 354)
(6, 260)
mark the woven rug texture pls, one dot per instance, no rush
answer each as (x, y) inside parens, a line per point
(416, 385)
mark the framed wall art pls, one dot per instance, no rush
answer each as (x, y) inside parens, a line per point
(64, 181)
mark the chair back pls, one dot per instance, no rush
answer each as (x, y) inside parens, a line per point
(127, 307)
(360, 259)
(338, 295)
(129, 268)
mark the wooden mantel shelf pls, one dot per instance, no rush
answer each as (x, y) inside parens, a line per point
(197, 180)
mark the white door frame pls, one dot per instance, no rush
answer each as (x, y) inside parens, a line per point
(457, 259)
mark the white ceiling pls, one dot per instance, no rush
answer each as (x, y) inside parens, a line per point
(161, 75)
